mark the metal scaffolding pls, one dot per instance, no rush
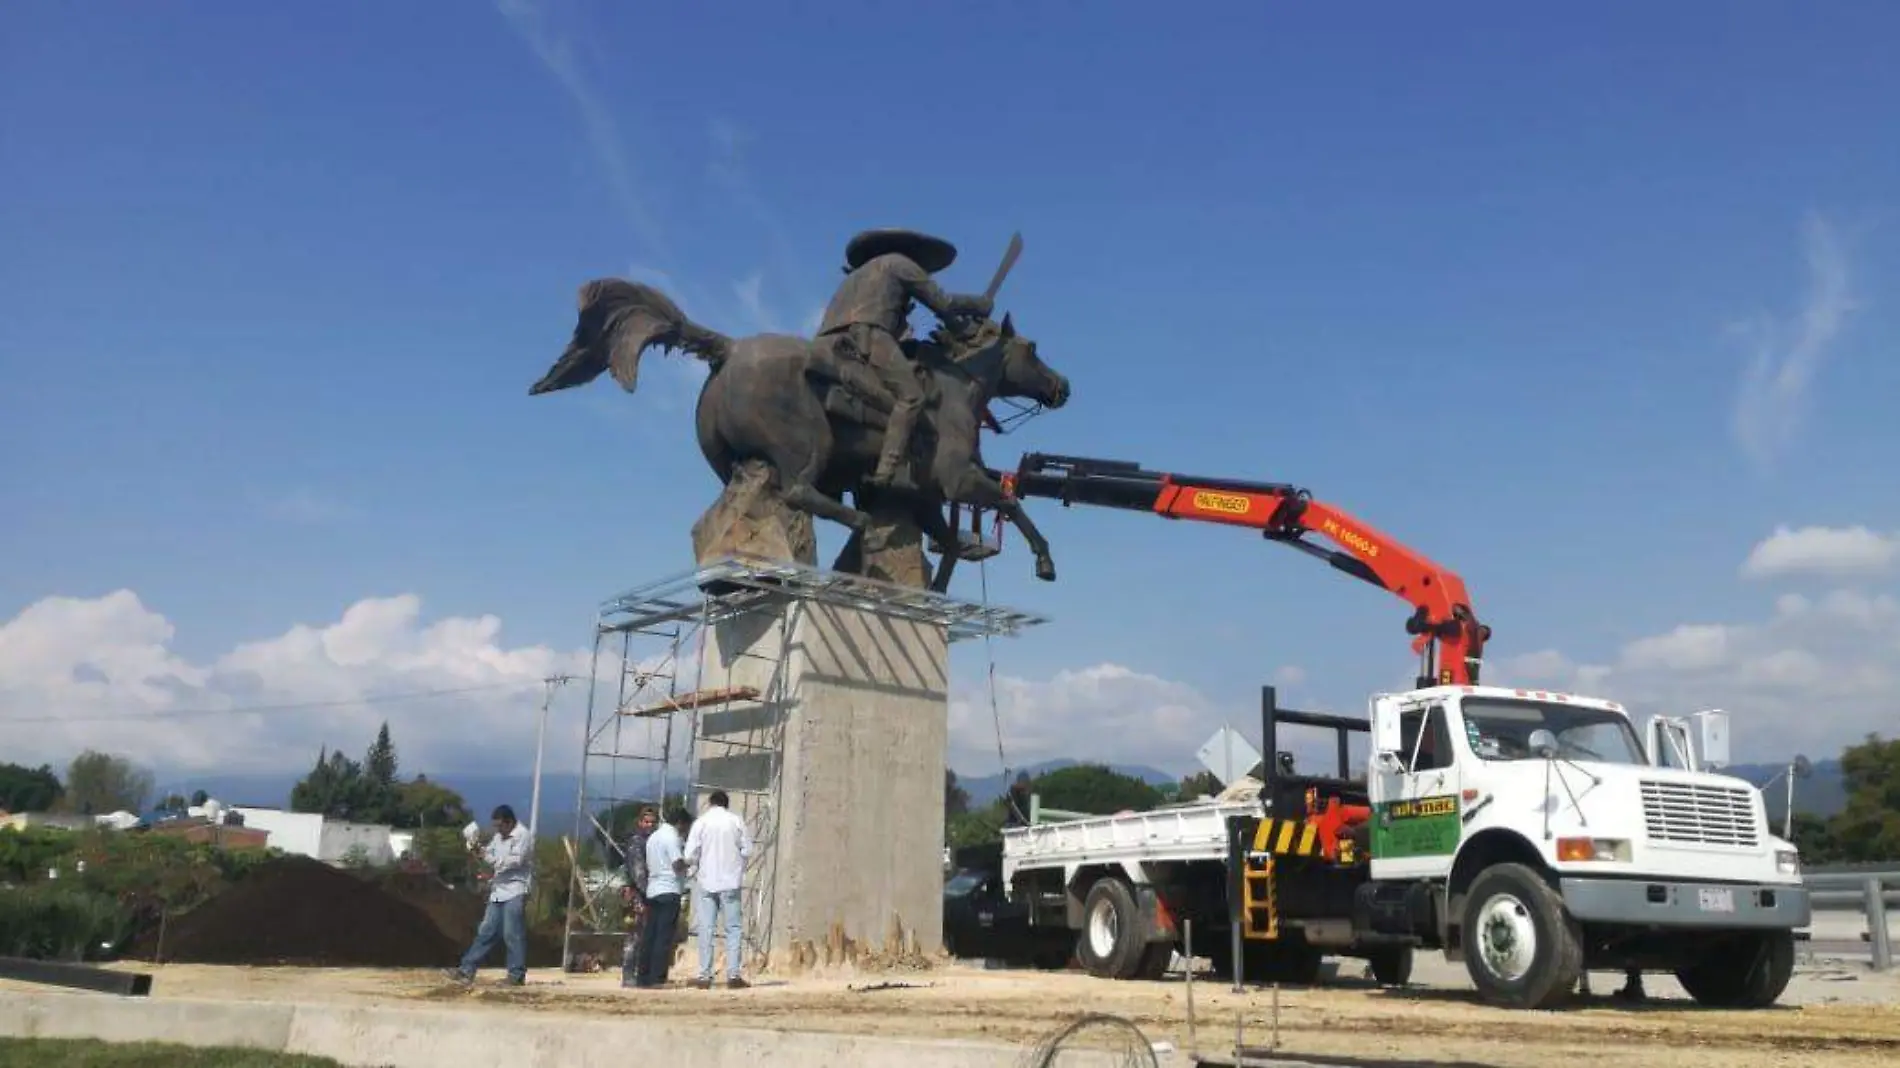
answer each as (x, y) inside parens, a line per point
(658, 633)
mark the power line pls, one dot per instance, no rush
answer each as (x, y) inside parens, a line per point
(246, 710)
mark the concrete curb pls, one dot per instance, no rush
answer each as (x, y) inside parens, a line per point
(405, 1037)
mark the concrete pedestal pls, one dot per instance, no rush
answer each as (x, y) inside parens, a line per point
(838, 768)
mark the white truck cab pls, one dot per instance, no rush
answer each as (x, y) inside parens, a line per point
(1537, 833)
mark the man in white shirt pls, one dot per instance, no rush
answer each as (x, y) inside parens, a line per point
(719, 846)
(665, 873)
(510, 859)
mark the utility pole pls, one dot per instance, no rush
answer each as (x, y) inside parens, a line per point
(552, 683)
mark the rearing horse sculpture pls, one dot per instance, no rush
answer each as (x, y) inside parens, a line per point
(796, 407)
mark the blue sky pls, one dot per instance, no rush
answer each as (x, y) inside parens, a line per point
(276, 281)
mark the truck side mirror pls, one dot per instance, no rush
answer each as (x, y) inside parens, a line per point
(1712, 737)
(1386, 737)
(1543, 743)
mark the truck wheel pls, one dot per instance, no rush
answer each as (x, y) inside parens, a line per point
(1391, 965)
(1155, 960)
(1747, 971)
(1523, 950)
(1111, 944)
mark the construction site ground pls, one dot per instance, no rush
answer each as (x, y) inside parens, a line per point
(1838, 1009)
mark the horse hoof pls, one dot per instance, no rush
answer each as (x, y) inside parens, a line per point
(1046, 571)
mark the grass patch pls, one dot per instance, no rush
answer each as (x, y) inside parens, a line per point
(92, 1053)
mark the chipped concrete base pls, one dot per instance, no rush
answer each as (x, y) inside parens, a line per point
(839, 771)
(427, 1038)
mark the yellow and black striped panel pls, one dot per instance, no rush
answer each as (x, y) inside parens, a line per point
(1286, 838)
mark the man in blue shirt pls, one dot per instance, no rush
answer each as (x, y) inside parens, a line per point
(666, 865)
(510, 859)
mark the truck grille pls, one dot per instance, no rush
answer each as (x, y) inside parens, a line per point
(1706, 815)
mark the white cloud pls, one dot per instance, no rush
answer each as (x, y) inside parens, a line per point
(1105, 712)
(1774, 387)
(555, 49)
(1830, 551)
(103, 672)
(1814, 675)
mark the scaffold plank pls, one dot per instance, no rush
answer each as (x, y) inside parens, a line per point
(693, 699)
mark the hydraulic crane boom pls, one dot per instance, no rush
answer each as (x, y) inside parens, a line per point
(1446, 633)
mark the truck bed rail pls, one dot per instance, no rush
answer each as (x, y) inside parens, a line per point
(1186, 832)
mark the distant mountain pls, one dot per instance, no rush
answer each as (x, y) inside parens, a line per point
(1822, 793)
(987, 788)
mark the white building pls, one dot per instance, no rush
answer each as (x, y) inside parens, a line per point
(309, 834)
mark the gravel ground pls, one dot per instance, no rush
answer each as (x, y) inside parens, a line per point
(1840, 1010)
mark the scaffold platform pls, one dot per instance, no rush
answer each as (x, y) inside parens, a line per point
(736, 585)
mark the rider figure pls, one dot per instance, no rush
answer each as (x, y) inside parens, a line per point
(887, 272)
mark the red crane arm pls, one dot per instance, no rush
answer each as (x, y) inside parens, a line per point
(1446, 632)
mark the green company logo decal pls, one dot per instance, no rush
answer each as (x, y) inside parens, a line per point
(1416, 827)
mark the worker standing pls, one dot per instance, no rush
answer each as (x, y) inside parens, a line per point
(719, 846)
(634, 894)
(665, 875)
(509, 855)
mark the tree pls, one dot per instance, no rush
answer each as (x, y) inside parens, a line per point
(1094, 788)
(173, 803)
(1867, 829)
(380, 762)
(422, 803)
(1199, 784)
(336, 788)
(956, 800)
(24, 789)
(98, 783)
(980, 827)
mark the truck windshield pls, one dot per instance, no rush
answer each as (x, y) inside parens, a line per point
(1500, 729)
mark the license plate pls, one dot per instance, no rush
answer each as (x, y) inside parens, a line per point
(986, 918)
(1722, 900)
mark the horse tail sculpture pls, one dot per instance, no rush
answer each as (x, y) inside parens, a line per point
(618, 321)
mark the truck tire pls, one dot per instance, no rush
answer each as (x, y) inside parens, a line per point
(1522, 947)
(1111, 943)
(1391, 965)
(1747, 971)
(1155, 960)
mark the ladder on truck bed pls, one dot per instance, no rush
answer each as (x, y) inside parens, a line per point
(1297, 850)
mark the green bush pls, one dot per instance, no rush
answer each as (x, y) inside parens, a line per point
(49, 921)
(137, 876)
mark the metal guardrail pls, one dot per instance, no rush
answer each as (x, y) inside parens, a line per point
(1875, 891)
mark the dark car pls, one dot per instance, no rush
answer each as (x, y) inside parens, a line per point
(979, 922)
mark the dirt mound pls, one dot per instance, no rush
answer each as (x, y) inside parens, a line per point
(456, 913)
(295, 910)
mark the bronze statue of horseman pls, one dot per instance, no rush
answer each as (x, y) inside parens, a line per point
(863, 408)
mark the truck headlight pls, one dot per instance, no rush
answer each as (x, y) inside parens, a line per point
(1601, 849)
(1787, 862)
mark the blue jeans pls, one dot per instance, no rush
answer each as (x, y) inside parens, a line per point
(712, 902)
(509, 919)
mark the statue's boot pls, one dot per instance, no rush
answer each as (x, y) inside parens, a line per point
(893, 467)
(895, 479)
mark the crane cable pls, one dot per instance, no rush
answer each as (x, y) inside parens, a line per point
(989, 655)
